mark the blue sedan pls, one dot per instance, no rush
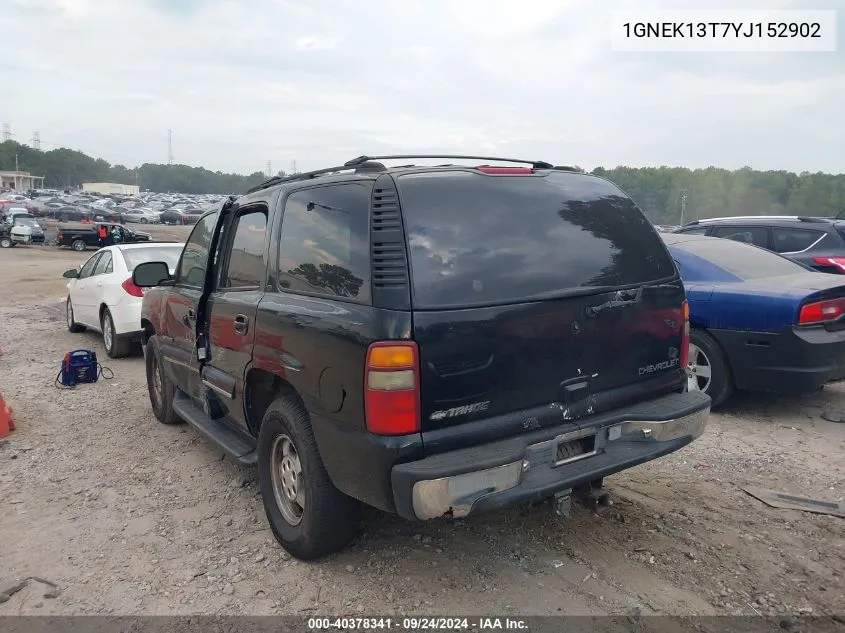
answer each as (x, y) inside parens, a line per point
(759, 321)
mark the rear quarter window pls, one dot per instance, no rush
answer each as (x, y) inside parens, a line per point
(476, 239)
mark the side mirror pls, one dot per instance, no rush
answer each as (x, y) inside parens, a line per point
(150, 274)
(71, 274)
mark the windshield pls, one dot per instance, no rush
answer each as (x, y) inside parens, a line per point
(743, 260)
(27, 222)
(477, 239)
(167, 254)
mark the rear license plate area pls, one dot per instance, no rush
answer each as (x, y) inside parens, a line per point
(574, 448)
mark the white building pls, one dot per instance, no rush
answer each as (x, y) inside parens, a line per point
(110, 188)
(20, 180)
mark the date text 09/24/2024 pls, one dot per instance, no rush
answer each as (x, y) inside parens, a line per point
(416, 624)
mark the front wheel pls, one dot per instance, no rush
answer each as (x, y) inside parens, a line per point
(308, 516)
(708, 368)
(6, 242)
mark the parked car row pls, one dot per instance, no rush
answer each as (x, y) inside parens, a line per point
(817, 243)
(362, 338)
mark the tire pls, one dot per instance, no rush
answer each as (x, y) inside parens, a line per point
(116, 347)
(705, 352)
(143, 220)
(327, 519)
(72, 325)
(160, 400)
(79, 245)
(6, 242)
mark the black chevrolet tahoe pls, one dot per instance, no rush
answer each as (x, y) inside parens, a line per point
(429, 340)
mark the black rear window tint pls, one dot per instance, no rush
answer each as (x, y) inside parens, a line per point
(476, 239)
(742, 260)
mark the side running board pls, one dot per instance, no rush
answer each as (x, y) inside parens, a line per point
(232, 440)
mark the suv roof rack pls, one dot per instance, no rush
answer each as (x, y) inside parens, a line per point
(370, 164)
(537, 164)
(800, 218)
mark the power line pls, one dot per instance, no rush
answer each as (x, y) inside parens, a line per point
(36, 140)
(169, 147)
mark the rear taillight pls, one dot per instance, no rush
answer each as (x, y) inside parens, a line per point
(130, 288)
(505, 171)
(836, 262)
(392, 388)
(60, 236)
(685, 337)
(821, 311)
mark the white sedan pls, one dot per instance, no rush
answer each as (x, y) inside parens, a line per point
(102, 297)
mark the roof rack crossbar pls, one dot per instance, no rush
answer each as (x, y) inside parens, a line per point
(275, 180)
(537, 164)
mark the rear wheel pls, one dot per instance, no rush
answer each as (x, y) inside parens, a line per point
(6, 242)
(708, 367)
(116, 347)
(72, 325)
(160, 388)
(308, 515)
(79, 245)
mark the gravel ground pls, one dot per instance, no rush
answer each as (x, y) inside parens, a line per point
(128, 516)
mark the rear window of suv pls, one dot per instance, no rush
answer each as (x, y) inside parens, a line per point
(476, 239)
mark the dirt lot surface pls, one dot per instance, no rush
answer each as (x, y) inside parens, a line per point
(128, 516)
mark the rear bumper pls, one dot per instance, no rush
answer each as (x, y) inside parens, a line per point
(792, 362)
(127, 317)
(529, 467)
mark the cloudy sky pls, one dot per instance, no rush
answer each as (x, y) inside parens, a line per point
(241, 82)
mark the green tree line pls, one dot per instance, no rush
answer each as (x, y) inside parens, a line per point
(659, 191)
(66, 168)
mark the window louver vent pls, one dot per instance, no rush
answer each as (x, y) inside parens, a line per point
(390, 266)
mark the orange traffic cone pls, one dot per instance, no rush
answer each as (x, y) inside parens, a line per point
(7, 425)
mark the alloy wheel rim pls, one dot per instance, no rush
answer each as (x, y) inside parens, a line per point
(157, 382)
(700, 373)
(108, 331)
(287, 479)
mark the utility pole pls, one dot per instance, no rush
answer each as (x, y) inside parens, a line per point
(293, 166)
(683, 204)
(169, 147)
(269, 169)
(16, 161)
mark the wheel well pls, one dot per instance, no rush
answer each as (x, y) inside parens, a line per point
(103, 308)
(148, 329)
(261, 388)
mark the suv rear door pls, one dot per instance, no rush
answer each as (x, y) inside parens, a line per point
(749, 234)
(232, 309)
(537, 299)
(817, 248)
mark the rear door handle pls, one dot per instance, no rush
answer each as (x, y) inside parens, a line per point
(241, 323)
